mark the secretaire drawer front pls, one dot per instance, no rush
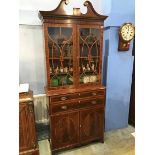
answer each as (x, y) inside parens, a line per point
(64, 97)
(89, 103)
(92, 93)
(63, 107)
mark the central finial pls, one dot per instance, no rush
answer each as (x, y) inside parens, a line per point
(76, 11)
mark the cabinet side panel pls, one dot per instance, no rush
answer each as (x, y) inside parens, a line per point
(23, 137)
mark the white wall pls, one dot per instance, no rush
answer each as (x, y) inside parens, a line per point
(31, 50)
(28, 13)
(31, 57)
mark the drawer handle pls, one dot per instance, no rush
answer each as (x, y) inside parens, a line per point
(64, 107)
(63, 98)
(94, 94)
(93, 102)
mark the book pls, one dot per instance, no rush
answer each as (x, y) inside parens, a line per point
(23, 88)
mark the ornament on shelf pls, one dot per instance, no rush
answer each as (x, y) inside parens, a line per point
(57, 70)
(50, 70)
(83, 68)
(85, 79)
(88, 68)
(54, 82)
(93, 78)
(93, 67)
(61, 70)
(66, 69)
(71, 69)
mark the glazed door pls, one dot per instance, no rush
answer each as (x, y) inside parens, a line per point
(65, 130)
(60, 55)
(91, 124)
(89, 54)
(27, 137)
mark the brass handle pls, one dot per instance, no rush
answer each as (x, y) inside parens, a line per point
(94, 94)
(63, 98)
(94, 102)
(64, 107)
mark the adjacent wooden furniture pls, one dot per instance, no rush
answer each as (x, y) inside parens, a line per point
(27, 135)
(73, 47)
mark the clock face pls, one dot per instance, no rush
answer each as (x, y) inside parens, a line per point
(127, 32)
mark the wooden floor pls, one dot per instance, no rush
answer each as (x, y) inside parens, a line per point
(117, 142)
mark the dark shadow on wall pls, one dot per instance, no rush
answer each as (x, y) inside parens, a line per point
(105, 62)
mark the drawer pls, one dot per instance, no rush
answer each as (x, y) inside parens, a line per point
(64, 97)
(63, 107)
(92, 93)
(90, 102)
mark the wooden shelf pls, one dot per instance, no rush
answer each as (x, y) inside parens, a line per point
(81, 44)
(60, 44)
(71, 73)
(87, 57)
(89, 72)
(64, 58)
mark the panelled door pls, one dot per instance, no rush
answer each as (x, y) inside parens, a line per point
(65, 130)
(91, 124)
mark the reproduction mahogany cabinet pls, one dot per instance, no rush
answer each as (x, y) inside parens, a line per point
(27, 135)
(73, 48)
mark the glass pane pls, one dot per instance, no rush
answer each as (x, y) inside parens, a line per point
(89, 55)
(60, 45)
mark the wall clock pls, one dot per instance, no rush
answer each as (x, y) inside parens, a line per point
(126, 34)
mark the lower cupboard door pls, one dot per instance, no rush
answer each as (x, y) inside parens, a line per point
(91, 124)
(65, 130)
